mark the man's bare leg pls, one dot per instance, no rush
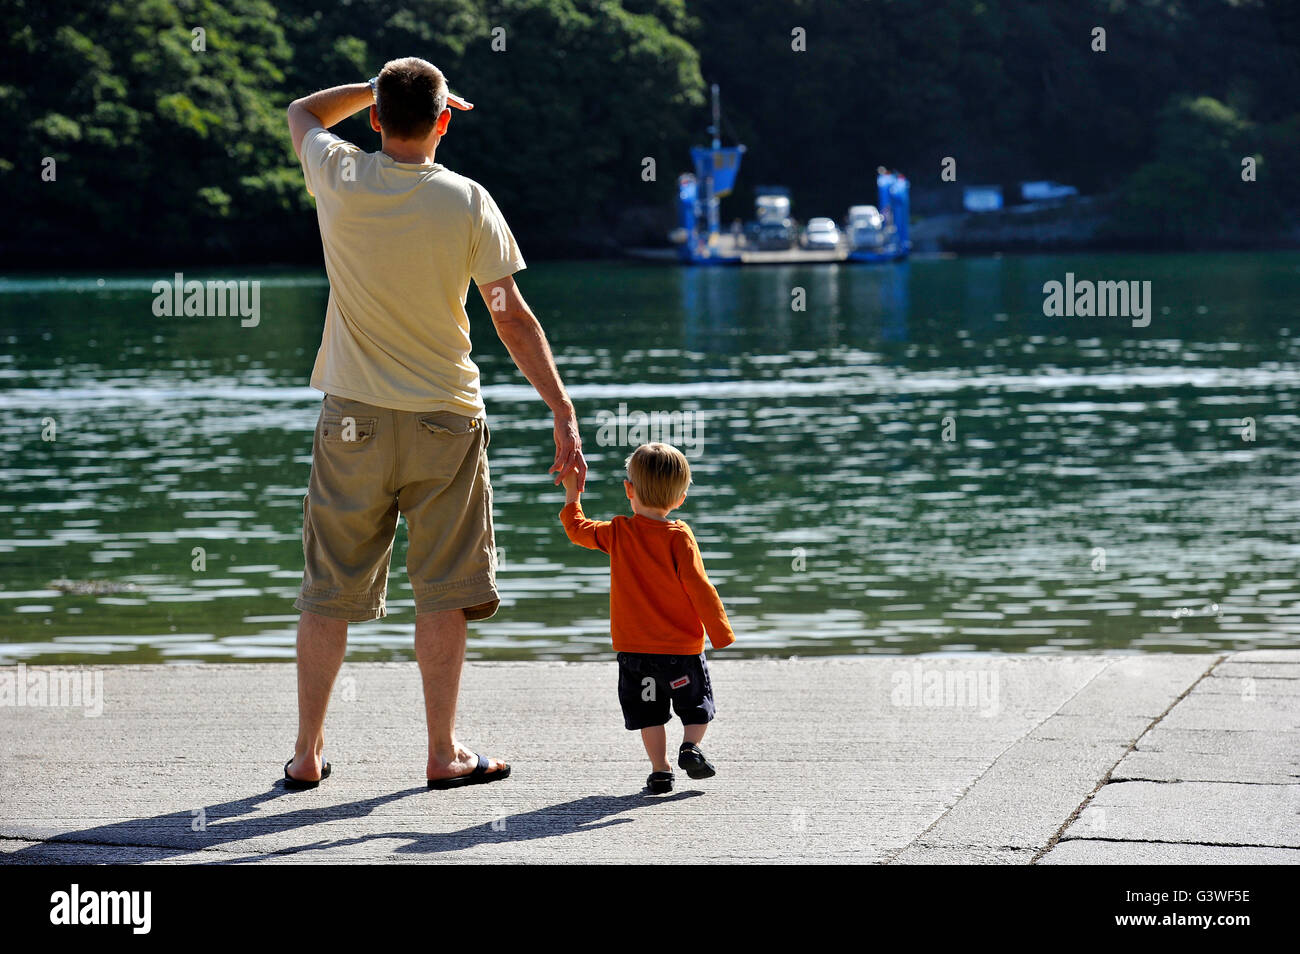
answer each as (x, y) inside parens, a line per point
(322, 644)
(440, 650)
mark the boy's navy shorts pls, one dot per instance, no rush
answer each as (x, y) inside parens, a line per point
(648, 681)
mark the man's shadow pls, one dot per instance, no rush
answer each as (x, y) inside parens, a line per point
(189, 832)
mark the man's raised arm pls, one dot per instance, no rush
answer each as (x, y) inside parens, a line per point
(524, 338)
(326, 108)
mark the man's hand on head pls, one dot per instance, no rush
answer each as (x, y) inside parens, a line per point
(327, 108)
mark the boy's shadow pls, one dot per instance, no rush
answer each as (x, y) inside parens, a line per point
(173, 835)
(588, 813)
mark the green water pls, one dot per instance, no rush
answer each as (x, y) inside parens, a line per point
(834, 516)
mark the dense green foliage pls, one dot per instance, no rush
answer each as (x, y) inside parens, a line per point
(1013, 90)
(167, 153)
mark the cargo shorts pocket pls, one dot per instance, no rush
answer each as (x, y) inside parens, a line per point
(449, 424)
(347, 429)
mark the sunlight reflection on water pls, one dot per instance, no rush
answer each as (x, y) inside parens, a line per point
(1096, 493)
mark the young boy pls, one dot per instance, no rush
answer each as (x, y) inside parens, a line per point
(660, 605)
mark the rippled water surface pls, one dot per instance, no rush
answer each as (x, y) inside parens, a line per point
(1097, 489)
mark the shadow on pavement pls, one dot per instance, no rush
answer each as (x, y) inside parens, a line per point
(588, 813)
(173, 835)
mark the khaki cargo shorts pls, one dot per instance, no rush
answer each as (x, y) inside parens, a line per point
(368, 464)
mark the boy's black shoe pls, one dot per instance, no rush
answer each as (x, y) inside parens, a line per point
(693, 761)
(660, 783)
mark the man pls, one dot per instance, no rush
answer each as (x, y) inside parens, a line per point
(402, 427)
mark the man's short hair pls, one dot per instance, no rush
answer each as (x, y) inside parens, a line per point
(412, 95)
(660, 473)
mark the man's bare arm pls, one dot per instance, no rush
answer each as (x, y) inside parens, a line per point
(326, 108)
(524, 338)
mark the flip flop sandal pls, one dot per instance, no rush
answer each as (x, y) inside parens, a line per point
(298, 784)
(660, 783)
(693, 761)
(479, 776)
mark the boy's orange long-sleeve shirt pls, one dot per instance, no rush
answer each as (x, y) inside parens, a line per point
(660, 598)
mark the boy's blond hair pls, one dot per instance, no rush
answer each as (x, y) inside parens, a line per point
(660, 474)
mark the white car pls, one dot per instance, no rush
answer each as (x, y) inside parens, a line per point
(821, 233)
(866, 227)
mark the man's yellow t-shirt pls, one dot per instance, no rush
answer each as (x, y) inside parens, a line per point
(402, 241)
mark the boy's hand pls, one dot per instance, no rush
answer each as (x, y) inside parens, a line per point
(572, 487)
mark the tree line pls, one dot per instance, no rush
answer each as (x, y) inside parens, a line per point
(148, 131)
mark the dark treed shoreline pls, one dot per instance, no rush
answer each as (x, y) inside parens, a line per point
(164, 122)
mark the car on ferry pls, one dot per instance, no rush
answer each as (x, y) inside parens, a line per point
(821, 233)
(865, 227)
(772, 228)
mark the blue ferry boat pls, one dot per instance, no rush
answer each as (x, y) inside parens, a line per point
(876, 234)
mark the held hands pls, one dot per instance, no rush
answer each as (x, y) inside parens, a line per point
(572, 490)
(570, 466)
